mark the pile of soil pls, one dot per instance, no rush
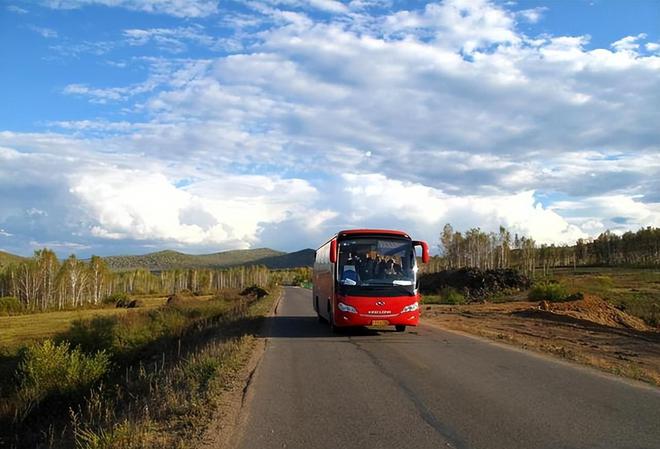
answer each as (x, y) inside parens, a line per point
(594, 309)
(474, 283)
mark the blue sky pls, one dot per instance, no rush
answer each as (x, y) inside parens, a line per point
(136, 125)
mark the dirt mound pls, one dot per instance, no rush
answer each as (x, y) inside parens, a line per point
(474, 283)
(596, 310)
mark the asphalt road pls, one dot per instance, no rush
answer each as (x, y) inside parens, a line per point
(429, 388)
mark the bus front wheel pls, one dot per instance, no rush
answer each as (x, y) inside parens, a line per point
(400, 328)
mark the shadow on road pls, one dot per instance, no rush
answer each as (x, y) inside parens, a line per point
(306, 327)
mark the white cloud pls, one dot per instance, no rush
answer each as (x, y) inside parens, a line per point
(17, 9)
(126, 197)
(411, 118)
(70, 247)
(652, 46)
(177, 8)
(48, 33)
(383, 202)
(171, 73)
(532, 15)
(172, 39)
(329, 5)
(628, 43)
(618, 212)
(461, 24)
(143, 205)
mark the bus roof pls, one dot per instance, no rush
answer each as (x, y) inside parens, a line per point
(372, 231)
(348, 232)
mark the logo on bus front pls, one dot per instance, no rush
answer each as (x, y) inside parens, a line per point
(380, 303)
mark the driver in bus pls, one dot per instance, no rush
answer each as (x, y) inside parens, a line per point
(349, 274)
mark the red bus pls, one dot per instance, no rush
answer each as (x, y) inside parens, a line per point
(368, 277)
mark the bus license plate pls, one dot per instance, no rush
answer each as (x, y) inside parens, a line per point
(380, 323)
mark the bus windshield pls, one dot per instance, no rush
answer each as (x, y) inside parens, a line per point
(365, 262)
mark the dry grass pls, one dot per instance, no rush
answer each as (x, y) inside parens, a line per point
(18, 330)
(170, 366)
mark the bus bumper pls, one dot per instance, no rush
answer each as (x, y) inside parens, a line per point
(346, 319)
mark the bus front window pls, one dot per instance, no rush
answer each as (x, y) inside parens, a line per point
(367, 262)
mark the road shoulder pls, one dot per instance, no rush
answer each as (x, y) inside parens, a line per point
(229, 418)
(628, 354)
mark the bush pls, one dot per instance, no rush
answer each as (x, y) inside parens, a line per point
(451, 296)
(255, 291)
(447, 295)
(116, 299)
(10, 305)
(49, 368)
(575, 297)
(94, 334)
(129, 303)
(549, 291)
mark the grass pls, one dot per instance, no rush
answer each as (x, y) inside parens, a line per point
(548, 291)
(447, 295)
(10, 306)
(48, 368)
(635, 291)
(142, 378)
(18, 330)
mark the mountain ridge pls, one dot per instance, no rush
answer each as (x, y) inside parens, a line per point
(9, 258)
(168, 259)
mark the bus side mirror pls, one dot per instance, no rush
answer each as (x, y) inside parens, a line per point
(425, 250)
(333, 251)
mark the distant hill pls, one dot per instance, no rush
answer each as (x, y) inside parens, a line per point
(302, 258)
(167, 260)
(7, 258)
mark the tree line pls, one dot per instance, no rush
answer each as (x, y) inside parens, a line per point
(44, 282)
(488, 250)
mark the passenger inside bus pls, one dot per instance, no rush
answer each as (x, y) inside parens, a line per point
(366, 263)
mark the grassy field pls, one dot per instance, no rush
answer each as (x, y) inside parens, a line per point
(635, 291)
(18, 330)
(149, 377)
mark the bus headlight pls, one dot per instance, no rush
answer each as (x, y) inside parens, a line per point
(411, 308)
(346, 308)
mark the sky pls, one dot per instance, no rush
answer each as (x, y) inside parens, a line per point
(131, 126)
